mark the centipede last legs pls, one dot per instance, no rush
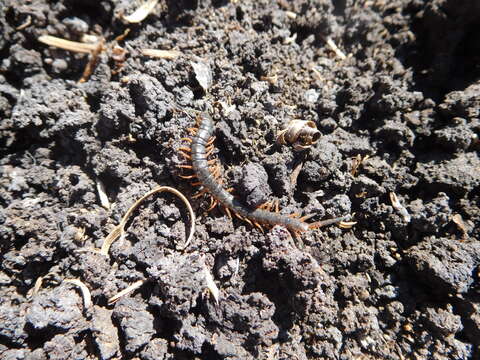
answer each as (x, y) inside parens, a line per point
(207, 173)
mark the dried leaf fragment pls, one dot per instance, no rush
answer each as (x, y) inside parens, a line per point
(211, 286)
(103, 195)
(203, 74)
(402, 210)
(301, 133)
(458, 220)
(67, 44)
(161, 54)
(119, 230)
(87, 297)
(141, 13)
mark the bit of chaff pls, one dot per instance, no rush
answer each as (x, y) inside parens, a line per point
(126, 291)
(291, 15)
(161, 54)
(457, 219)
(141, 13)
(400, 208)
(346, 224)
(357, 161)
(335, 49)
(68, 45)
(102, 194)
(87, 297)
(301, 133)
(119, 230)
(211, 286)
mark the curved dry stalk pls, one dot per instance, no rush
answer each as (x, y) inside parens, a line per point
(87, 297)
(119, 230)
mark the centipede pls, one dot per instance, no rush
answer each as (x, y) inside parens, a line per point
(206, 172)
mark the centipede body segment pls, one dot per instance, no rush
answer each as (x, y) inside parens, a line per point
(207, 172)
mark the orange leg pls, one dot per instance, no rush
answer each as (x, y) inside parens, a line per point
(186, 156)
(184, 148)
(185, 166)
(187, 139)
(200, 193)
(187, 176)
(213, 203)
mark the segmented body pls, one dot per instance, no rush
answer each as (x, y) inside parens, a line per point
(208, 181)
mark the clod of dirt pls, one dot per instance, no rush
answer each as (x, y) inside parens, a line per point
(105, 333)
(446, 266)
(253, 185)
(137, 325)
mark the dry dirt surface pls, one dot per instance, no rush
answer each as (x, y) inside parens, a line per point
(393, 87)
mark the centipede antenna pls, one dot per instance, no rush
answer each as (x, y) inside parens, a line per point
(306, 217)
(326, 222)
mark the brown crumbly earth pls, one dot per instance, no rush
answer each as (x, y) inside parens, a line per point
(400, 284)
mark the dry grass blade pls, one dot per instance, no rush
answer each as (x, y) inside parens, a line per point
(400, 208)
(119, 230)
(161, 54)
(67, 44)
(126, 291)
(141, 13)
(87, 297)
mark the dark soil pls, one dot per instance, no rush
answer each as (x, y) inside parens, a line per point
(395, 286)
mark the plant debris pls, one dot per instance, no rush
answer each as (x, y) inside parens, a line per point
(161, 54)
(301, 133)
(119, 230)
(142, 12)
(87, 297)
(126, 291)
(402, 210)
